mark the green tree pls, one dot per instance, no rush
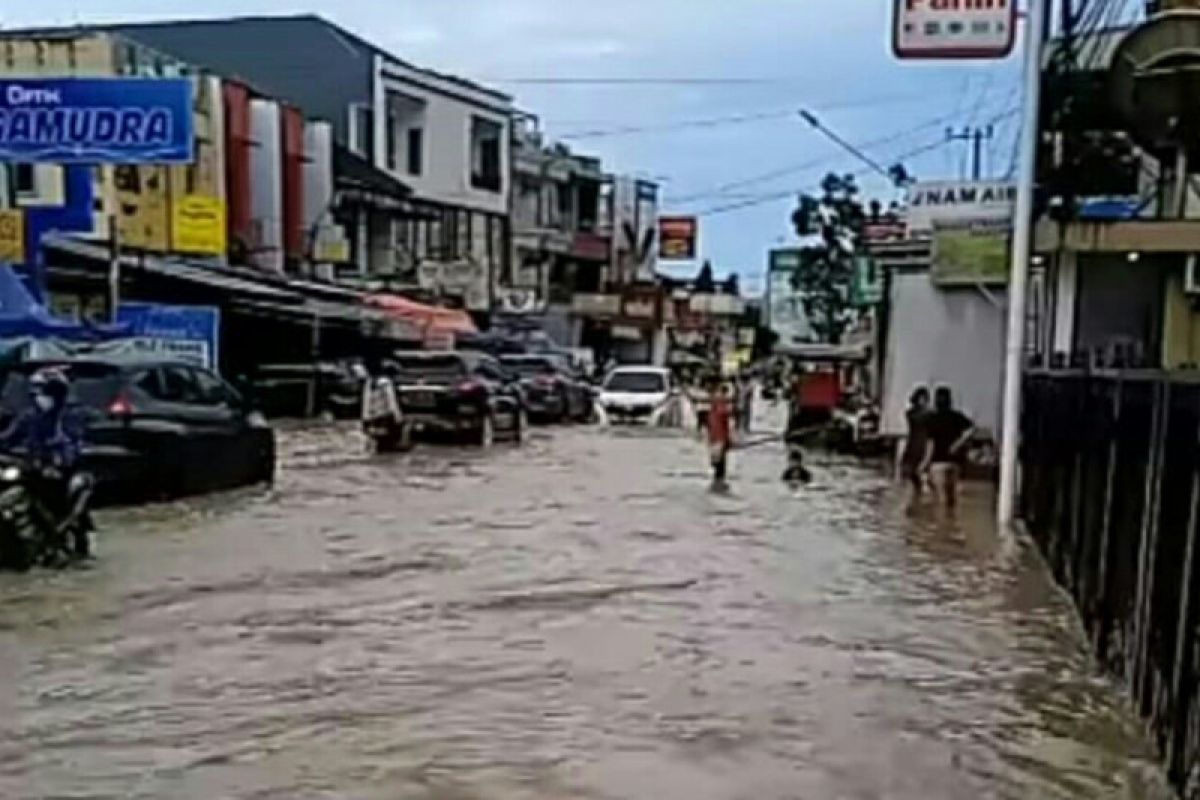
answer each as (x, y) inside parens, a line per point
(830, 227)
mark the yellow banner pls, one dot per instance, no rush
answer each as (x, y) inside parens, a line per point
(198, 225)
(12, 236)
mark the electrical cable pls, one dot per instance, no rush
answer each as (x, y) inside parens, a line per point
(791, 169)
(709, 122)
(767, 198)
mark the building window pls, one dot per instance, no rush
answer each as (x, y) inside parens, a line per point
(362, 131)
(393, 157)
(24, 179)
(485, 154)
(416, 150)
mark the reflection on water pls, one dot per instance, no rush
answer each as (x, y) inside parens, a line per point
(575, 619)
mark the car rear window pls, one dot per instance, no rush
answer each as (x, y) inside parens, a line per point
(93, 386)
(636, 382)
(430, 368)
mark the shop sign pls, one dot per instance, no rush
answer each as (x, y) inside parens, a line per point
(96, 120)
(639, 308)
(190, 334)
(931, 29)
(198, 225)
(596, 305)
(12, 236)
(959, 201)
(677, 238)
(970, 254)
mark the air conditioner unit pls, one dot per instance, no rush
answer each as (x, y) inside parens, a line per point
(1191, 275)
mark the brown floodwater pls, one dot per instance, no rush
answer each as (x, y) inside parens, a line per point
(577, 618)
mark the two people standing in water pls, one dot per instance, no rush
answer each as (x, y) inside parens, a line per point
(936, 447)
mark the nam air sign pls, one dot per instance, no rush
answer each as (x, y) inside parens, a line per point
(941, 202)
(96, 121)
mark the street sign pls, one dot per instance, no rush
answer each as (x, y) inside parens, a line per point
(677, 238)
(931, 29)
(12, 236)
(96, 120)
(190, 334)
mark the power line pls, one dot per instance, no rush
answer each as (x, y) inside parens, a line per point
(773, 196)
(708, 122)
(791, 169)
(849, 148)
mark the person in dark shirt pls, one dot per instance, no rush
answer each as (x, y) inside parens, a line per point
(949, 431)
(916, 442)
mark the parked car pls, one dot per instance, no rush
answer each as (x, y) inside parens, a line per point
(308, 390)
(552, 391)
(157, 429)
(468, 395)
(633, 394)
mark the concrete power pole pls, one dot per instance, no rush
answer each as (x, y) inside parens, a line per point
(976, 136)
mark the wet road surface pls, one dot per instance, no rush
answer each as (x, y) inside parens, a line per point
(578, 618)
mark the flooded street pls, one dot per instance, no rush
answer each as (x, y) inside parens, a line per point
(578, 618)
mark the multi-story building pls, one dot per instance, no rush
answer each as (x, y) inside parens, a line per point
(558, 206)
(445, 138)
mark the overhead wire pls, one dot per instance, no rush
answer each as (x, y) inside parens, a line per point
(773, 196)
(731, 119)
(791, 169)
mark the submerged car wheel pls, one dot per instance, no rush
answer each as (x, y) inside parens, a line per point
(397, 440)
(520, 426)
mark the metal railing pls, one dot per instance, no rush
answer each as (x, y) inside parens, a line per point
(1110, 490)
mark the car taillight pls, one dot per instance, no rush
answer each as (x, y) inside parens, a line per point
(469, 387)
(121, 407)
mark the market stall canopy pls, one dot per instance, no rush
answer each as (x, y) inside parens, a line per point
(448, 320)
(22, 316)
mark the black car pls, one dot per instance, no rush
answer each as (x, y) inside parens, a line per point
(552, 391)
(466, 394)
(308, 390)
(154, 429)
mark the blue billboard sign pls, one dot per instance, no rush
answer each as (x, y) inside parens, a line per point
(96, 120)
(190, 334)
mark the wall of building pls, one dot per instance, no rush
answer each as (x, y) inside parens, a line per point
(1120, 304)
(937, 336)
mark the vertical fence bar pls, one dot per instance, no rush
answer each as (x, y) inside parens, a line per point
(1104, 606)
(1181, 677)
(1149, 544)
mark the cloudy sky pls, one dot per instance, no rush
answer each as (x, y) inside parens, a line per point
(666, 77)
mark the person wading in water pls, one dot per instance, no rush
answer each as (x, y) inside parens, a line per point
(916, 443)
(720, 434)
(949, 432)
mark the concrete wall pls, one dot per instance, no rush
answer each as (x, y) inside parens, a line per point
(937, 336)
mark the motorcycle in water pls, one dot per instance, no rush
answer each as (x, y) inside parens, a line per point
(382, 419)
(45, 519)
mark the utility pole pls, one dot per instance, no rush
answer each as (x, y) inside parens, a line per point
(976, 136)
(1014, 351)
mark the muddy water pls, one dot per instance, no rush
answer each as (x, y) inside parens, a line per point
(575, 619)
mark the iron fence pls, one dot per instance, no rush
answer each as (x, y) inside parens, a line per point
(1110, 488)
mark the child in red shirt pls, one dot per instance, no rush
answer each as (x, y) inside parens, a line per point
(720, 432)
